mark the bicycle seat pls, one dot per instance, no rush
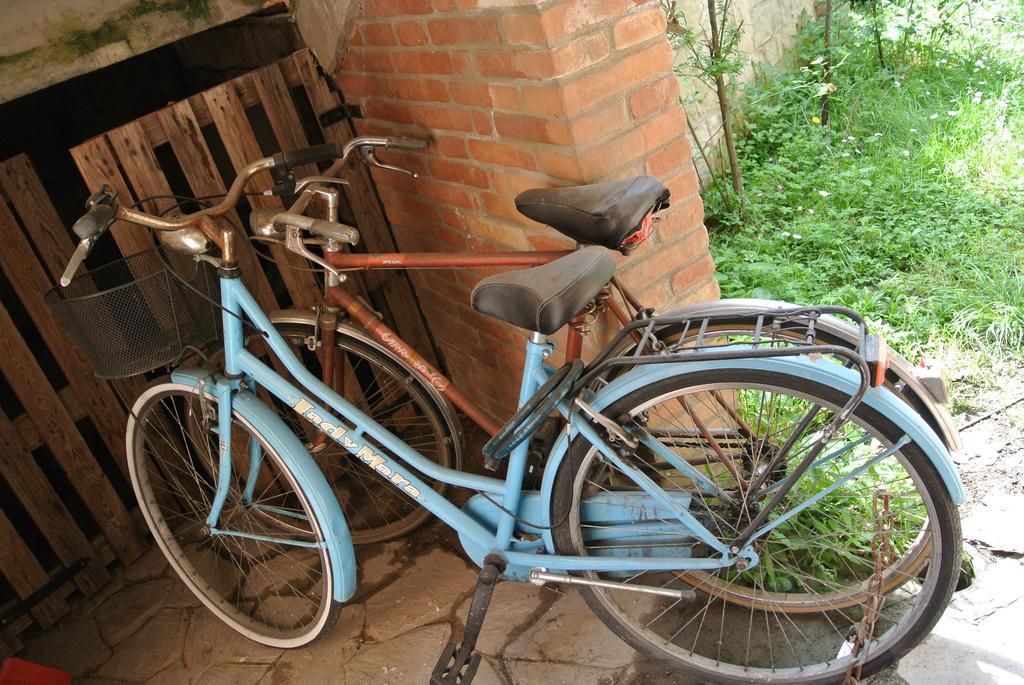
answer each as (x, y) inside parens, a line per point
(596, 214)
(544, 298)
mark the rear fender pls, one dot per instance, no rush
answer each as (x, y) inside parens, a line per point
(308, 474)
(822, 371)
(936, 414)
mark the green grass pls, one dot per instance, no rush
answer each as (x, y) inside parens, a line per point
(909, 206)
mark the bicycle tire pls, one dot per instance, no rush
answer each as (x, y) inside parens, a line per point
(939, 539)
(271, 590)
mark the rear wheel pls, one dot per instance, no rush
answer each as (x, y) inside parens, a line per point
(787, 618)
(265, 570)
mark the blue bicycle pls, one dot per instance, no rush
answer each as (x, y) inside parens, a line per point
(743, 506)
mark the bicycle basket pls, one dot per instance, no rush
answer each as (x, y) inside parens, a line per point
(134, 315)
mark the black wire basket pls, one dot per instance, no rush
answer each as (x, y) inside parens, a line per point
(140, 313)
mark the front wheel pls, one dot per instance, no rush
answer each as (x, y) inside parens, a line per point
(788, 618)
(265, 570)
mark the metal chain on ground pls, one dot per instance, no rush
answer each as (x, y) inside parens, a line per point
(881, 549)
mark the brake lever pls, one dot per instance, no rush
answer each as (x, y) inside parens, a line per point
(370, 157)
(79, 255)
(294, 243)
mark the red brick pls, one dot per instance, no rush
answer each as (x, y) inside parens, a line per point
(671, 157)
(516, 64)
(458, 172)
(471, 93)
(498, 153)
(637, 28)
(472, 31)
(663, 128)
(683, 184)
(512, 183)
(557, 165)
(579, 54)
(389, 111)
(420, 62)
(654, 96)
(505, 97)
(684, 216)
(354, 84)
(411, 33)
(692, 274)
(498, 232)
(443, 192)
(543, 100)
(443, 118)
(553, 242)
(482, 123)
(532, 128)
(395, 8)
(378, 34)
(410, 204)
(449, 146)
(659, 260)
(362, 60)
(708, 290)
(570, 17)
(598, 124)
(610, 155)
(501, 206)
(656, 295)
(421, 89)
(523, 29)
(617, 76)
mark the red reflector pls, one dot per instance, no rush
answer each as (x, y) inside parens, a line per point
(646, 228)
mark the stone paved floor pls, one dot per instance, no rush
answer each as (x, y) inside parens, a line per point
(146, 627)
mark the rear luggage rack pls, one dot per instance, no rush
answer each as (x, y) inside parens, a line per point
(766, 332)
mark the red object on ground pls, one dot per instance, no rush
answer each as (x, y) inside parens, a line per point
(20, 672)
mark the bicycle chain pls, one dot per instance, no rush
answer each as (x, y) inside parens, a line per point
(882, 551)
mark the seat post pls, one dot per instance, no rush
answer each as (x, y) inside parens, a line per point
(538, 338)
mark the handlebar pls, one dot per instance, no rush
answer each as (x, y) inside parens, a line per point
(103, 208)
(95, 221)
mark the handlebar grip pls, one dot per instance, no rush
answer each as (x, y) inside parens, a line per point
(416, 144)
(94, 221)
(334, 231)
(307, 155)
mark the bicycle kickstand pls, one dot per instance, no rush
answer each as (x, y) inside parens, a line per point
(458, 662)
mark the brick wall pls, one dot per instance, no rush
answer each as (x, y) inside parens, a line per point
(518, 94)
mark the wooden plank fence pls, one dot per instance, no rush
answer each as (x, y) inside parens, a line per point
(91, 524)
(74, 425)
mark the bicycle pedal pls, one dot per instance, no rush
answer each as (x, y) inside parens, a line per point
(456, 666)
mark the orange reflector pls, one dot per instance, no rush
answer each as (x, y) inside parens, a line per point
(877, 356)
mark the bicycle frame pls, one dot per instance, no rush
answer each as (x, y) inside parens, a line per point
(357, 433)
(338, 296)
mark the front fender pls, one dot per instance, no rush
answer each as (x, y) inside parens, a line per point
(305, 470)
(822, 371)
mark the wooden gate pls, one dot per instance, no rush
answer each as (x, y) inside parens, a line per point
(66, 508)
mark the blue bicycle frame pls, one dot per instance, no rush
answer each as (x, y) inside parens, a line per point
(483, 527)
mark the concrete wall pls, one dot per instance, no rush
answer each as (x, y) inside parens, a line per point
(43, 42)
(769, 28)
